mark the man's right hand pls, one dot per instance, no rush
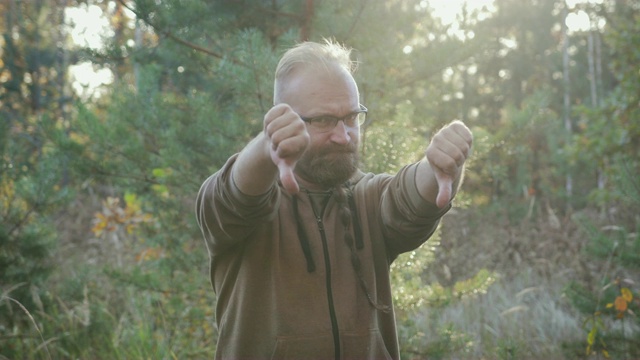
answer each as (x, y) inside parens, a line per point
(288, 140)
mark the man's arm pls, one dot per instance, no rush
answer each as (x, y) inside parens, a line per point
(441, 171)
(221, 204)
(273, 152)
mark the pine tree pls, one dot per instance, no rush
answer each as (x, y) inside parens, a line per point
(32, 86)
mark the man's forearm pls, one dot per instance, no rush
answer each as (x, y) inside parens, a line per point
(254, 172)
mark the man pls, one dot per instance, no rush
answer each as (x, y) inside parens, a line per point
(300, 240)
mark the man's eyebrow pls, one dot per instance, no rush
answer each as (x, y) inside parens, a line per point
(352, 112)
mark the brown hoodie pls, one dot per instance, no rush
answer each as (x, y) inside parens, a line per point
(287, 289)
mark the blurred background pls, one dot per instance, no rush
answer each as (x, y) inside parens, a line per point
(112, 113)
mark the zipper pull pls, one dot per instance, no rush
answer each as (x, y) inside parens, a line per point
(320, 223)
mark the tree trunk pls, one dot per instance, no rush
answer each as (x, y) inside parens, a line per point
(305, 29)
(567, 95)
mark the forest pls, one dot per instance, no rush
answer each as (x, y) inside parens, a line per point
(113, 113)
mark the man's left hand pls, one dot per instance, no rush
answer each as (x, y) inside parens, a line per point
(447, 153)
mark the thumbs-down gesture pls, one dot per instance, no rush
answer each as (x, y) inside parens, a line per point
(447, 153)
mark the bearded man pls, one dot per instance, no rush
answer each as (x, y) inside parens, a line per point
(300, 239)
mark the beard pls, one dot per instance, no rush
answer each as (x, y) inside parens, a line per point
(329, 166)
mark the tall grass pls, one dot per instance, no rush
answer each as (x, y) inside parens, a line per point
(522, 317)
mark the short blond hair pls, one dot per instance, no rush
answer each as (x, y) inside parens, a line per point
(313, 54)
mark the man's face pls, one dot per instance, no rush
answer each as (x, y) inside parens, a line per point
(332, 156)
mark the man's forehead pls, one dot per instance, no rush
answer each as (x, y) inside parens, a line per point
(313, 82)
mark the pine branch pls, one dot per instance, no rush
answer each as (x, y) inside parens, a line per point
(175, 38)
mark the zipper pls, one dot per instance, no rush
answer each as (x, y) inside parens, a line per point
(332, 309)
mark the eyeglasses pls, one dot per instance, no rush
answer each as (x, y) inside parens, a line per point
(325, 123)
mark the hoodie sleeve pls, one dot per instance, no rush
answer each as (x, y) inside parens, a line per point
(408, 219)
(227, 216)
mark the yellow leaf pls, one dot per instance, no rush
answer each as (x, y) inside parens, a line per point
(591, 338)
(151, 253)
(621, 304)
(97, 231)
(605, 353)
(626, 294)
(100, 223)
(609, 305)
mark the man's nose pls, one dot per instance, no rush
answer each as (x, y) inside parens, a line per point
(340, 133)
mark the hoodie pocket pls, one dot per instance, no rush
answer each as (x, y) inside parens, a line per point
(304, 347)
(368, 345)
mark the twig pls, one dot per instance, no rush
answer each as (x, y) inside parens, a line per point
(357, 18)
(44, 343)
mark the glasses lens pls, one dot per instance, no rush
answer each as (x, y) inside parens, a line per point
(328, 123)
(324, 123)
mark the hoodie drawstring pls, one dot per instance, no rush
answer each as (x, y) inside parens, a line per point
(357, 230)
(304, 240)
(302, 236)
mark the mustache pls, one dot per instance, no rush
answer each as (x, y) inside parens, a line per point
(339, 149)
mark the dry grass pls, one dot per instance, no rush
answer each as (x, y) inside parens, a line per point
(524, 313)
(526, 316)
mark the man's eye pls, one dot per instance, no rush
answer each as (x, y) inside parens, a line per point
(351, 119)
(324, 120)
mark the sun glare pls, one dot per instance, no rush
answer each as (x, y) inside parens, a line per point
(87, 79)
(579, 20)
(450, 12)
(88, 27)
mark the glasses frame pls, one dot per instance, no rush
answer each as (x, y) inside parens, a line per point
(360, 116)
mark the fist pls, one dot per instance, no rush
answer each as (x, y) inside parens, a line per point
(447, 153)
(288, 140)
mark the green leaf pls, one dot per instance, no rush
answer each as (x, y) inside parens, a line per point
(159, 173)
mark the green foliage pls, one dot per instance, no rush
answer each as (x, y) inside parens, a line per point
(32, 172)
(27, 240)
(610, 324)
(447, 341)
(509, 348)
(412, 293)
(30, 195)
(609, 131)
(523, 160)
(389, 146)
(610, 305)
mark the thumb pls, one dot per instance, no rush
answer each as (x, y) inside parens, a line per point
(287, 178)
(445, 185)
